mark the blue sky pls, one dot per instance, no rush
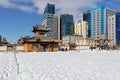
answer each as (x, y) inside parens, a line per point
(18, 16)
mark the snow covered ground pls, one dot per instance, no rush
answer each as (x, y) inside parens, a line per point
(71, 65)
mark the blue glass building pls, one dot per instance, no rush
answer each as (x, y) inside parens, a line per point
(86, 17)
(118, 28)
(97, 21)
(51, 20)
(66, 25)
(50, 8)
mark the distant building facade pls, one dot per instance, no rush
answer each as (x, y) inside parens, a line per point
(69, 41)
(112, 28)
(117, 11)
(66, 25)
(81, 28)
(98, 21)
(52, 21)
(108, 12)
(86, 17)
(0, 40)
(50, 8)
(118, 28)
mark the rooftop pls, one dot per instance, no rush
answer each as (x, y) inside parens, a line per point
(40, 28)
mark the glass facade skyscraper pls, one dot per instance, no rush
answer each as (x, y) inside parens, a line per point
(52, 21)
(50, 8)
(86, 17)
(66, 25)
(118, 27)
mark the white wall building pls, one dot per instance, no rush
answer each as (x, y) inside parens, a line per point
(108, 12)
(112, 28)
(81, 28)
(70, 40)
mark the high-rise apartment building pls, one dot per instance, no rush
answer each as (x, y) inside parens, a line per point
(66, 25)
(50, 8)
(108, 12)
(81, 28)
(98, 21)
(114, 28)
(52, 21)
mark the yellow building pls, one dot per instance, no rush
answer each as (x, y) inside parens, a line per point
(81, 28)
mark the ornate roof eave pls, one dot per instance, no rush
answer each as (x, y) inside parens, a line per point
(45, 30)
(40, 28)
(40, 40)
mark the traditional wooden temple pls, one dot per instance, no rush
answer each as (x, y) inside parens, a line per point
(40, 42)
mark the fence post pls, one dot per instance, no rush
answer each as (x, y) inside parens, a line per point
(17, 64)
(18, 68)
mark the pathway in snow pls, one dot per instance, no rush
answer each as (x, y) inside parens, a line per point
(7, 65)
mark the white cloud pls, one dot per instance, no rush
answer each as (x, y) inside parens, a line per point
(66, 6)
(15, 4)
(25, 8)
(6, 3)
(63, 6)
(20, 1)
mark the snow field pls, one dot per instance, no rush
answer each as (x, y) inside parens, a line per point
(83, 65)
(70, 65)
